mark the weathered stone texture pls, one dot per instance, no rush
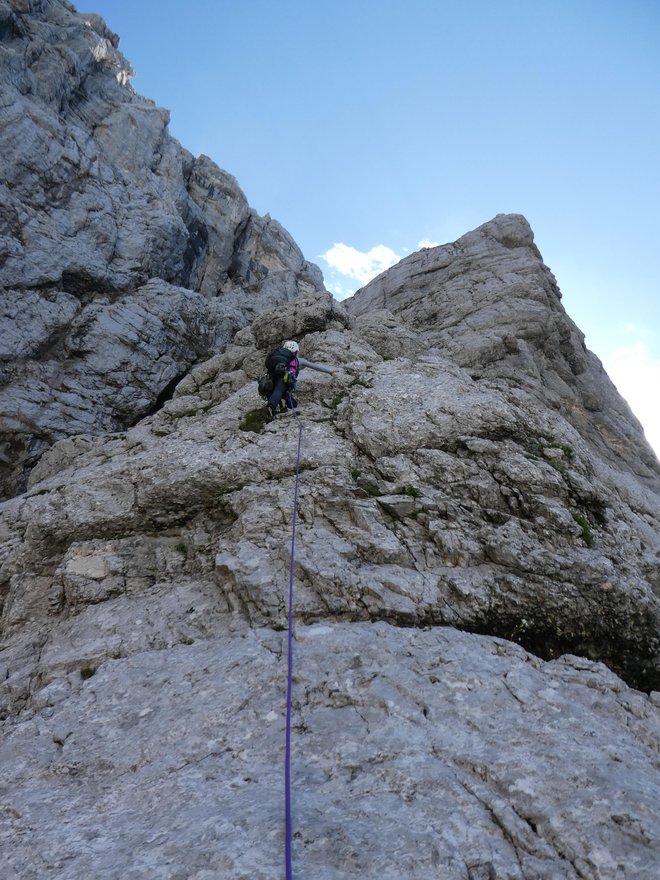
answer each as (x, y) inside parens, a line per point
(117, 247)
(492, 306)
(477, 568)
(146, 580)
(417, 754)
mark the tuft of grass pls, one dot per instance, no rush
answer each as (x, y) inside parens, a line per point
(587, 534)
(182, 549)
(87, 672)
(184, 414)
(534, 451)
(411, 491)
(534, 448)
(336, 400)
(568, 451)
(254, 420)
(370, 488)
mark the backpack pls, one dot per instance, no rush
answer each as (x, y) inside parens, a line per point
(265, 386)
(278, 360)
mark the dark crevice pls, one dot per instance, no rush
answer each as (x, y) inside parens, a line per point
(633, 656)
(86, 284)
(19, 453)
(196, 247)
(10, 26)
(167, 393)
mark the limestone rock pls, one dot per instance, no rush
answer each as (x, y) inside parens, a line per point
(145, 580)
(492, 306)
(477, 562)
(416, 754)
(117, 246)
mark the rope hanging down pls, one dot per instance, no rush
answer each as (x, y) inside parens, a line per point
(287, 757)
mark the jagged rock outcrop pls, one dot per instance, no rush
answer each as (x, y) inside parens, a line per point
(468, 566)
(477, 571)
(492, 306)
(123, 259)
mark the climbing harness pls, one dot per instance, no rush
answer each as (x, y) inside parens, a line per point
(287, 756)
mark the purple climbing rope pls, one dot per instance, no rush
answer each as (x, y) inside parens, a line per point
(289, 684)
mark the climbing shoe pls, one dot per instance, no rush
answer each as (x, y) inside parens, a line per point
(270, 412)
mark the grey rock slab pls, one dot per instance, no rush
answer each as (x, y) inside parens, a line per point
(415, 753)
(477, 547)
(445, 510)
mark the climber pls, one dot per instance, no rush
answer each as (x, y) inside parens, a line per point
(283, 365)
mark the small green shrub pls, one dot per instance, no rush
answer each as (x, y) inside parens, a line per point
(411, 491)
(87, 672)
(371, 489)
(565, 448)
(336, 400)
(520, 629)
(533, 449)
(587, 534)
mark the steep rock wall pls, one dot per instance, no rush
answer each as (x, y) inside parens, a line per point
(123, 259)
(477, 576)
(468, 566)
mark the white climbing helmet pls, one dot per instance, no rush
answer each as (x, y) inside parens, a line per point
(291, 345)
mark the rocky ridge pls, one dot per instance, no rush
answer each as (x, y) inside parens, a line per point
(477, 576)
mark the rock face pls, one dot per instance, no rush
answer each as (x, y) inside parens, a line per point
(477, 569)
(472, 578)
(123, 259)
(492, 306)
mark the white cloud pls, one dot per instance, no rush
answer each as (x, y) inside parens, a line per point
(426, 243)
(636, 374)
(359, 265)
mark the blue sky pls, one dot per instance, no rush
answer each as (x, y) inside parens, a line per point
(368, 126)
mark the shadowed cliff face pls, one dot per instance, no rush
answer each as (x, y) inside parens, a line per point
(123, 259)
(477, 570)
